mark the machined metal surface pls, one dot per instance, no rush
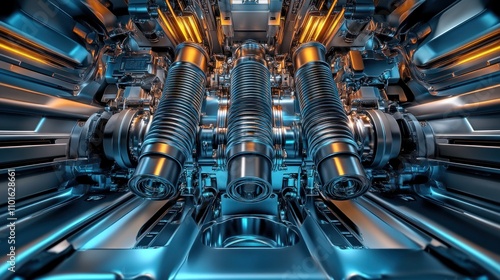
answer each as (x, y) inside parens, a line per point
(246, 232)
(379, 135)
(250, 139)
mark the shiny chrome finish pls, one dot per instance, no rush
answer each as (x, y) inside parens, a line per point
(460, 50)
(248, 232)
(170, 140)
(379, 135)
(325, 125)
(40, 103)
(239, 179)
(124, 135)
(358, 14)
(249, 130)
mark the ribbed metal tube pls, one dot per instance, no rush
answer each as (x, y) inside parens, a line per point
(170, 139)
(249, 130)
(325, 125)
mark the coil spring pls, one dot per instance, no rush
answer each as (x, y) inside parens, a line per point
(170, 139)
(323, 117)
(176, 120)
(325, 126)
(250, 130)
(250, 113)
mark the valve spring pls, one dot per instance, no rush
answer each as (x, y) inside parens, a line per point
(250, 113)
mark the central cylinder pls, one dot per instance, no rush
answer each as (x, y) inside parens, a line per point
(325, 125)
(249, 131)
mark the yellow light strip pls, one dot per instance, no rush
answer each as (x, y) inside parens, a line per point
(320, 28)
(195, 28)
(327, 34)
(190, 29)
(182, 20)
(310, 34)
(179, 23)
(479, 55)
(23, 54)
(167, 24)
(309, 27)
(322, 25)
(182, 28)
(304, 30)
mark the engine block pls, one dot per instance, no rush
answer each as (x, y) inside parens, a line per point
(253, 139)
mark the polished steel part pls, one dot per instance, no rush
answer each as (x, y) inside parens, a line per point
(379, 136)
(124, 132)
(241, 138)
(251, 232)
(170, 139)
(325, 126)
(249, 149)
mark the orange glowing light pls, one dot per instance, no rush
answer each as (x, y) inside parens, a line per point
(194, 27)
(21, 53)
(334, 23)
(180, 25)
(320, 28)
(181, 28)
(479, 55)
(166, 23)
(322, 25)
(309, 28)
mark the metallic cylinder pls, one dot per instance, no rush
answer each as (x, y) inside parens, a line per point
(379, 136)
(325, 126)
(249, 130)
(123, 135)
(170, 139)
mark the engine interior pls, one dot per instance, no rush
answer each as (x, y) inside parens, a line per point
(250, 139)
